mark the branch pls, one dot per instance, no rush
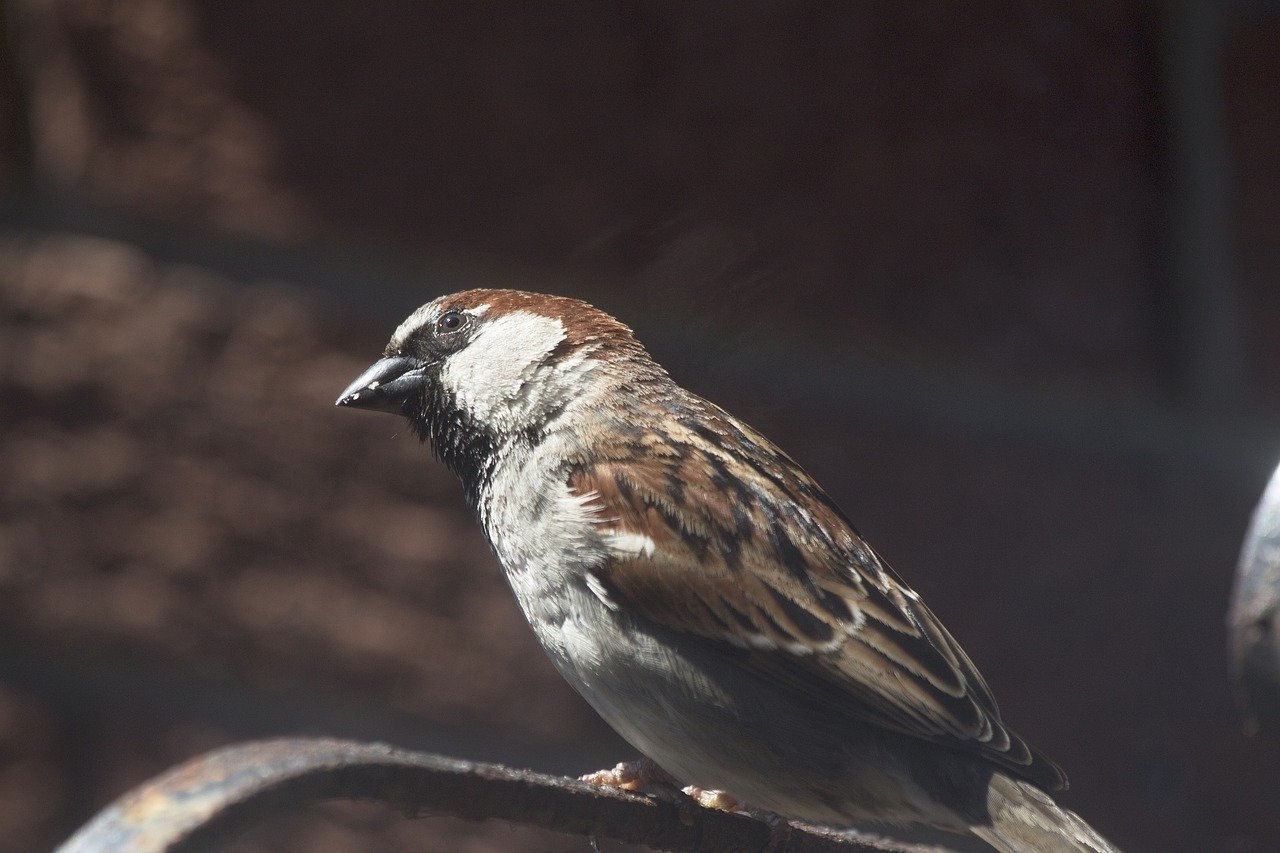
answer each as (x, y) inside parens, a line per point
(203, 801)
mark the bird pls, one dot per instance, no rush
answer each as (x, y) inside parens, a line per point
(699, 589)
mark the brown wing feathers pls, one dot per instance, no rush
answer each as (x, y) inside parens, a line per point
(748, 550)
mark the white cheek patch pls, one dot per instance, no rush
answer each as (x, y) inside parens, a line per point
(487, 377)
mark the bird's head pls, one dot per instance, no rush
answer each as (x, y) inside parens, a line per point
(476, 370)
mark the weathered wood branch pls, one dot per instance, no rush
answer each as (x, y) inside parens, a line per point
(197, 804)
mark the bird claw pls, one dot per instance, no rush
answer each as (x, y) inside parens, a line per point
(645, 777)
(713, 799)
(779, 829)
(641, 775)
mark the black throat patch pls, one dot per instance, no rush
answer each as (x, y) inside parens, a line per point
(464, 445)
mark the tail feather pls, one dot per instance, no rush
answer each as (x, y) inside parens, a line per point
(1025, 819)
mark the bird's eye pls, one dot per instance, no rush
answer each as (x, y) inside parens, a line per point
(449, 321)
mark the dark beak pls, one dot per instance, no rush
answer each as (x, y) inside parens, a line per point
(385, 386)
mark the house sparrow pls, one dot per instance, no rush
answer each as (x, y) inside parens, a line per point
(698, 588)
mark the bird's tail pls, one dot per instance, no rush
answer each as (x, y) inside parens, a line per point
(1026, 819)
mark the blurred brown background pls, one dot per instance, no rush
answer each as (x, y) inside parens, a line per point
(1002, 275)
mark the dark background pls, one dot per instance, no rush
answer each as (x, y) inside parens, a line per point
(1000, 274)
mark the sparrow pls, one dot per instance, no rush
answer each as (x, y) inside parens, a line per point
(699, 589)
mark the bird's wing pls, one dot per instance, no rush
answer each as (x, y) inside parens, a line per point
(733, 542)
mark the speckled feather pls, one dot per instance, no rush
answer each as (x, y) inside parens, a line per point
(767, 561)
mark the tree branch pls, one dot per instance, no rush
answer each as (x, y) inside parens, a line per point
(194, 805)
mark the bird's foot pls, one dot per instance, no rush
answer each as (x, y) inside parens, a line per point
(713, 799)
(779, 829)
(641, 775)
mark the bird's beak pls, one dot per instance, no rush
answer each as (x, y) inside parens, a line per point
(385, 386)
